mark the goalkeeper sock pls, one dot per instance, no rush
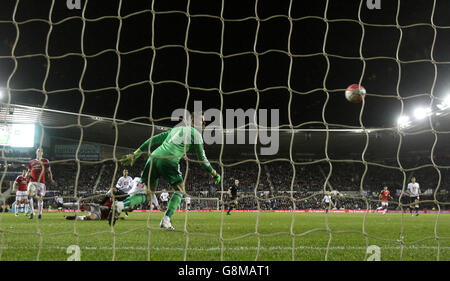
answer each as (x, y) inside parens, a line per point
(135, 199)
(173, 204)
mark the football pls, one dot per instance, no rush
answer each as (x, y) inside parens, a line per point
(355, 93)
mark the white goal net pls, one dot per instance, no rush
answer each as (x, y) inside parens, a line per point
(98, 79)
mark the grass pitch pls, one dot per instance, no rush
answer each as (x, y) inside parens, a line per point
(213, 236)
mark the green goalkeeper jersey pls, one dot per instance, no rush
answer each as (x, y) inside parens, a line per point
(175, 143)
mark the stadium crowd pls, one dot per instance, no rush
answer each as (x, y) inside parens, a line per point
(272, 182)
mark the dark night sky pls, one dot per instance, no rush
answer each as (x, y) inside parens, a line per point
(308, 73)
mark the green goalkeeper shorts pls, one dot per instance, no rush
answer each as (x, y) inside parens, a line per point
(160, 167)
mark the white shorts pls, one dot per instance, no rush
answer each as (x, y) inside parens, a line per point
(21, 195)
(36, 188)
(95, 210)
(384, 203)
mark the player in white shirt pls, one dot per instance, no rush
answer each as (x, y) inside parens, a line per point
(187, 200)
(138, 188)
(59, 202)
(137, 196)
(164, 199)
(124, 182)
(327, 202)
(414, 195)
(123, 186)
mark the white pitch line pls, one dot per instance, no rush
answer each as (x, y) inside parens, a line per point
(243, 248)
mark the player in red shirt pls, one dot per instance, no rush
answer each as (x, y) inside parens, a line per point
(38, 168)
(385, 194)
(20, 187)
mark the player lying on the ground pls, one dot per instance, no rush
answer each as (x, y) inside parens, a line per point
(20, 187)
(95, 211)
(164, 162)
(137, 196)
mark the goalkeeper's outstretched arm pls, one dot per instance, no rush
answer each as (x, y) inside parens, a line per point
(129, 159)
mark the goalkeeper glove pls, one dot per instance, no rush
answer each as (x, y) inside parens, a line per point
(128, 160)
(218, 179)
(217, 176)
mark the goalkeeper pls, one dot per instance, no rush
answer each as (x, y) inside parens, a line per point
(164, 162)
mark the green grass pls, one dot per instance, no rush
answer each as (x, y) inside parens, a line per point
(139, 237)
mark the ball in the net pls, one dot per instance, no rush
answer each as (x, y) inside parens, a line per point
(355, 93)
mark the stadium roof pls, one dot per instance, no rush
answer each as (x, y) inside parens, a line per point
(306, 142)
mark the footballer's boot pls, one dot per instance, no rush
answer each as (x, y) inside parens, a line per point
(112, 217)
(31, 216)
(39, 216)
(165, 223)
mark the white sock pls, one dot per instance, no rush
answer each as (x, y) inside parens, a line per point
(40, 206)
(31, 205)
(26, 207)
(155, 201)
(16, 209)
(119, 206)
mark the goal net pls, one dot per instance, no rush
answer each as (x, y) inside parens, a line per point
(96, 80)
